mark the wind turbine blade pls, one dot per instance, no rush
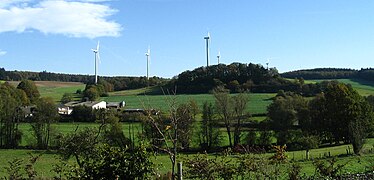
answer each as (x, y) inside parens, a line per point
(98, 45)
(98, 57)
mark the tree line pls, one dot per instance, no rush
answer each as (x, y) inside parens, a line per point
(118, 82)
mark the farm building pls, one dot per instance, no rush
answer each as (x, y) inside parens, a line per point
(116, 105)
(92, 104)
(64, 110)
(67, 109)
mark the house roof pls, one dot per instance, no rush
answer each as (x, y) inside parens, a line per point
(86, 103)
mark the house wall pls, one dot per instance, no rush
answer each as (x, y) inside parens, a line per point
(100, 105)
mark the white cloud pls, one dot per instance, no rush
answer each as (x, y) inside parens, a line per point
(79, 18)
(7, 3)
(2, 53)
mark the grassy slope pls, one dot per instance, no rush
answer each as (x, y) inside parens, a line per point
(57, 92)
(55, 89)
(364, 88)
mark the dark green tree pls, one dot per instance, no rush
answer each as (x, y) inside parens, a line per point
(30, 89)
(67, 97)
(209, 134)
(41, 121)
(82, 114)
(284, 114)
(346, 115)
(11, 114)
(91, 93)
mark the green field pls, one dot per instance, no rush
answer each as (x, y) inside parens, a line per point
(364, 88)
(56, 93)
(65, 128)
(258, 102)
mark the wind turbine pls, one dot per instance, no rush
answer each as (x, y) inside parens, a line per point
(207, 38)
(97, 58)
(267, 64)
(219, 56)
(148, 54)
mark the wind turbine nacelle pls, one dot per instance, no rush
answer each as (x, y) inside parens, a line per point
(206, 37)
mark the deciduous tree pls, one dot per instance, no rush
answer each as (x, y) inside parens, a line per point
(224, 109)
(30, 89)
(209, 134)
(46, 114)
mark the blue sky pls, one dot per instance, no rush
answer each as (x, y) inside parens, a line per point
(58, 35)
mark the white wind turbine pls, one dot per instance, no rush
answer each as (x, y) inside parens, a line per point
(148, 54)
(97, 58)
(207, 39)
(218, 55)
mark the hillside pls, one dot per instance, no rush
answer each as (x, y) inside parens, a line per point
(331, 73)
(363, 87)
(55, 89)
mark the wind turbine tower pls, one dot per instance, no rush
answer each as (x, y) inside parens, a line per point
(218, 56)
(148, 54)
(207, 39)
(97, 58)
(267, 65)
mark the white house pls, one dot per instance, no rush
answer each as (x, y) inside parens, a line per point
(97, 105)
(67, 108)
(64, 110)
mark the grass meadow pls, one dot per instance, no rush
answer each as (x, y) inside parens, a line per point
(353, 164)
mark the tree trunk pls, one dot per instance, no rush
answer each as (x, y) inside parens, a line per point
(229, 134)
(237, 133)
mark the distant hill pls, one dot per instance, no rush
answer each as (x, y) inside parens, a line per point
(321, 73)
(331, 73)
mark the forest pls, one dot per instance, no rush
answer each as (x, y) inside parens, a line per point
(118, 82)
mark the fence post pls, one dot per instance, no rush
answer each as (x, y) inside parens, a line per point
(180, 171)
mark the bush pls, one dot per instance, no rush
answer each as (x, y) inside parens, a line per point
(328, 170)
